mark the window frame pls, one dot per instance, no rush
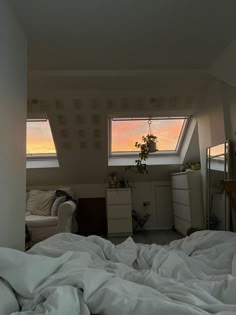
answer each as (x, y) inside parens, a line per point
(155, 154)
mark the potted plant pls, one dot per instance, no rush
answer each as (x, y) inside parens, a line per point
(146, 147)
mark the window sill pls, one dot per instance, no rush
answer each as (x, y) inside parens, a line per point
(163, 159)
(42, 163)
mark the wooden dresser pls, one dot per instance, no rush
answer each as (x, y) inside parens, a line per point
(187, 200)
(119, 211)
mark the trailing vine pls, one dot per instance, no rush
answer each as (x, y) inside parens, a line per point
(146, 147)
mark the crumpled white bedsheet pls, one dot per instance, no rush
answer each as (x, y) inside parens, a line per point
(75, 275)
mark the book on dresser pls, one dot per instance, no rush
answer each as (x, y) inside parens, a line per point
(119, 211)
(187, 201)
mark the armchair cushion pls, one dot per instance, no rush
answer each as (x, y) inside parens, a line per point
(40, 202)
(40, 221)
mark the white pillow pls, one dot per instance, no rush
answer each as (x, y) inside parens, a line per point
(57, 202)
(40, 202)
(8, 301)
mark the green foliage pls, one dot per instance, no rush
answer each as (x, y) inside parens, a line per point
(144, 147)
(141, 167)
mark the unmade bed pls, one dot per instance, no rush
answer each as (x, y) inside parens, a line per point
(75, 275)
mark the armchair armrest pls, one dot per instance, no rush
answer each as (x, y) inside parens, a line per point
(65, 215)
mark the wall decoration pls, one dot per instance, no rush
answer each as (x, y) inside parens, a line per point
(97, 133)
(59, 104)
(44, 106)
(109, 104)
(97, 145)
(95, 119)
(79, 119)
(34, 101)
(64, 133)
(83, 145)
(93, 104)
(77, 104)
(61, 119)
(66, 146)
(81, 133)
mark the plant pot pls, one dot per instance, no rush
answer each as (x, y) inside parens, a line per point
(152, 146)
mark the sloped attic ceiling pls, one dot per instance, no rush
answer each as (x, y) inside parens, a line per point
(134, 34)
(73, 43)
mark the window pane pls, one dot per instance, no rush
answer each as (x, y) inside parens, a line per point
(39, 138)
(126, 132)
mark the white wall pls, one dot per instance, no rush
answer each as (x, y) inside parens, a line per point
(229, 100)
(224, 67)
(13, 100)
(211, 126)
(217, 123)
(79, 121)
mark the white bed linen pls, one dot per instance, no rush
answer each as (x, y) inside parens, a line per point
(71, 274)
(8, 301)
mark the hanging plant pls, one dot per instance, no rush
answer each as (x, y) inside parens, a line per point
(149, 145)
(146, 147)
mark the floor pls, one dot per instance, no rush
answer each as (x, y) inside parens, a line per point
(160, 237)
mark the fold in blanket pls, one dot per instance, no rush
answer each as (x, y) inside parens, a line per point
(190, 276)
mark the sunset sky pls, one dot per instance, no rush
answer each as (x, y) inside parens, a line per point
(39, 138)
(126, 133)
(217, 150)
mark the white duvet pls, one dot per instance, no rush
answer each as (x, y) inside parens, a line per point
(75, 275)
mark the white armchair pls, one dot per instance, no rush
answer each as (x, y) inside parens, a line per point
(44, 226)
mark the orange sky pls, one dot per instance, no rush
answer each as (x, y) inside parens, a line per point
(39, 138)
(217, 150)
(126, 133)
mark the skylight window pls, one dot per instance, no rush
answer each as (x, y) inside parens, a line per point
(40, 147)
(39, 138)
(126, 131)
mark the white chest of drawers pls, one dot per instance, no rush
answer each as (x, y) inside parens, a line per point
(187, 200)
(119, 211)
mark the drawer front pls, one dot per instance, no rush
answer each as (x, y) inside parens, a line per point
(119, 226)
(119, 212)
(118, 196)
(182, 226)
(181, 196)
(180, 181)
(182, 212)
